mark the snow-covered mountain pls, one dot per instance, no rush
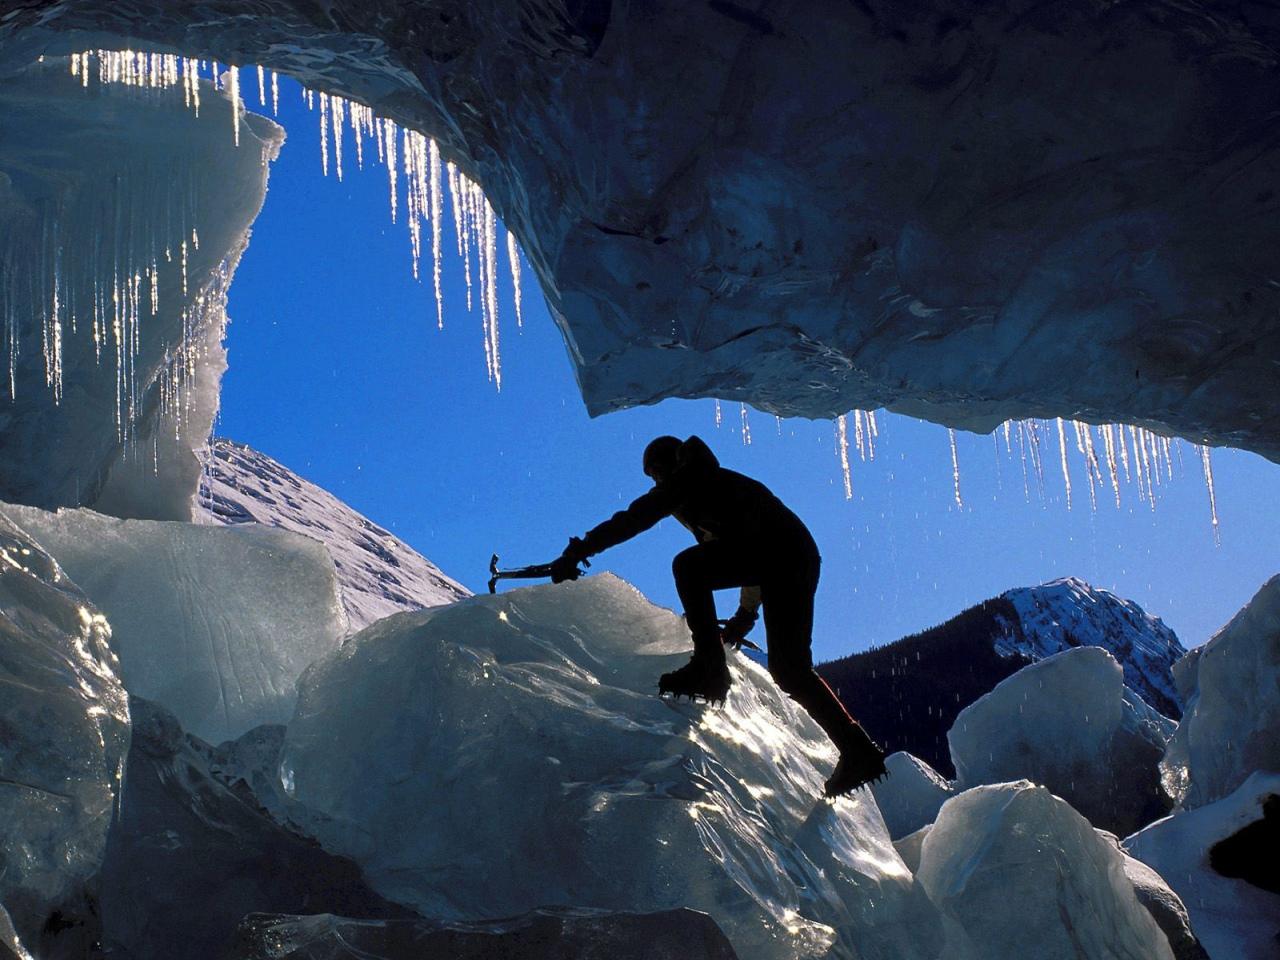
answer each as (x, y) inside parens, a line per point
(1066, 613)
(378, 572)
(909, 693)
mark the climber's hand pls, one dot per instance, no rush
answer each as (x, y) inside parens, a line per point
(564, 567)
(735, 629)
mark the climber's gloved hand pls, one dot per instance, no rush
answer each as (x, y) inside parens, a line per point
(565, 567)
(735, 629)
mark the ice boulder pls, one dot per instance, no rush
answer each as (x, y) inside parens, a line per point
(909, 847)
(1164, 905)
(64, 731)
(1233, 918)
(910, 796)
(538, 935)
(1018, 873)
(214, 623)
(1231, 726)
(509, 752)
(190, 854)
(1068, 723)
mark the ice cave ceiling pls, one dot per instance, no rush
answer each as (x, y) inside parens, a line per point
(961, 211)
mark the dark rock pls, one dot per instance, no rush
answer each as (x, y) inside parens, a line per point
(189, 855)
(548, 934)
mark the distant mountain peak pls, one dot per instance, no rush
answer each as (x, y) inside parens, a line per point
(378, 572)
(909, 692)
(1070, 612)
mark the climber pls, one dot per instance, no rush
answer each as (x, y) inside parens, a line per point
(746, 538)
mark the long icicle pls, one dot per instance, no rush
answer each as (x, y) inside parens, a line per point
(842, 450)
(955, 466)
(1066, 472)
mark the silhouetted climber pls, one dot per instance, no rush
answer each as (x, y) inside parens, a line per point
(746, 538)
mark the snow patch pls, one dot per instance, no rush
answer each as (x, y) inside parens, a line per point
(379, 573)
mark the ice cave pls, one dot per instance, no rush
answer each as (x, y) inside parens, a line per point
(242, 720)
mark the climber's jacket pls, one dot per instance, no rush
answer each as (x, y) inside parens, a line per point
(714, 504)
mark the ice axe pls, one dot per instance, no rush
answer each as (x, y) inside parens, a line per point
(534, 572)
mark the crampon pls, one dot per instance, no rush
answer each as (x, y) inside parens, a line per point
(697, 679)
(856, 769)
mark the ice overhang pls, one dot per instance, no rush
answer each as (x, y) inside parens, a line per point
(962, 212)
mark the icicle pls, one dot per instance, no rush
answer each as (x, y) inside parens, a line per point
(1207, 465)
(262, 87)
(1066, 473)
(955, 466)
(1022, 449)
(356, 115)
(842, 449)
(1151, 449)
(324, 133)
(1085, 442)
(235, 101)
(337, 114)
(513, 258)
(746, 426)
(1109, 446)
(455, 202)
(275, 94)
(389, 136)
(467, 220)
(718, 414)
(491, 283)
(437, 211)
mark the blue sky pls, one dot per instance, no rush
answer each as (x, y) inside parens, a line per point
(338, 371)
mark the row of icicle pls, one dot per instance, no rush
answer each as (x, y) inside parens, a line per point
(1108, 450)
(405, 153)
(130, 232)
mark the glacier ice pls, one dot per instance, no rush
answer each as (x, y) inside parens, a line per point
(214, 623)
(909, 847)
(379, 573)
(1017, 873)
(538, 935)
(1164, 905)
(508, 752)
(1231, 726)
(64, 731)
(887, 264)
(1233, 919)
(911, 795)
(1069, 723)
(122, 218)
(191, 853)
